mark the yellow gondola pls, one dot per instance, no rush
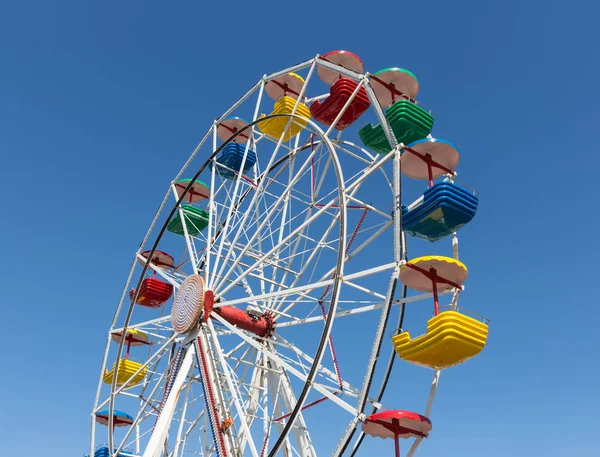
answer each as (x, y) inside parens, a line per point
(285, 90)
(274, 127)
(451, 339)
(126, 369)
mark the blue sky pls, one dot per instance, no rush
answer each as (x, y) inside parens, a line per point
(101, 103)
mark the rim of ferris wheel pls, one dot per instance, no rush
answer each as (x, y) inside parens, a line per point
(160, 260)
(433, 273)
(231, 125)
(198, 192)
(397, 423)
(345, 59)
(120, 419)
(289, 84)
(188, 304)
(429, 158)
(393, 84)
(133, 337)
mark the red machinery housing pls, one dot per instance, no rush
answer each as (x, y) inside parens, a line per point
(263, 326)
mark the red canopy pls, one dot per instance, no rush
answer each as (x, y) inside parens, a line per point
(397, 423)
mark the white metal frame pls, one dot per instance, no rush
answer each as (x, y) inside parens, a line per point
(271, 369)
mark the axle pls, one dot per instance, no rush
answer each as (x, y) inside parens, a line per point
(263, 326)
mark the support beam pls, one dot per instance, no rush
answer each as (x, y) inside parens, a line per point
(299, 430)
(161, 430)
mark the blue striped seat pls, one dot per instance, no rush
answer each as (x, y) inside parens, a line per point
(443, 209)
(102, 451)
(231, 156)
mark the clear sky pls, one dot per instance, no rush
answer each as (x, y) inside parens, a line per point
(95, 97)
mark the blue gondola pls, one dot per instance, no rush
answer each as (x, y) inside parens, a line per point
(231, 156)
(443, 209)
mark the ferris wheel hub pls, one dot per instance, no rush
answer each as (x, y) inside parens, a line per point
(188, 304)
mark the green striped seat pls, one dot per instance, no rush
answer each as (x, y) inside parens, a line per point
(408, 121)
(196, 220)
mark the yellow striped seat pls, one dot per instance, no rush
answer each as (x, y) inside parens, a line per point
(451, 339)
(126, 369)
(275, 127)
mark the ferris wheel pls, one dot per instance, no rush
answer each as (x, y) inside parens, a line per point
(256, 308)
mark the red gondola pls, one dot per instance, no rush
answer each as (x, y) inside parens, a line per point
(340, 93)
(341, 90)
(153, 293)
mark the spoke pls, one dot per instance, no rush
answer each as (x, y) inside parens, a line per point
(231, 207)
(232, 389)
(159, 436)
(299, 431)
(362, 309)
(360, 274)
(330, 374)
(274, 357)
(274, 207)
(287, 238)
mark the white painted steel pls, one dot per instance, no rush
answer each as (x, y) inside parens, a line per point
(254, 377)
